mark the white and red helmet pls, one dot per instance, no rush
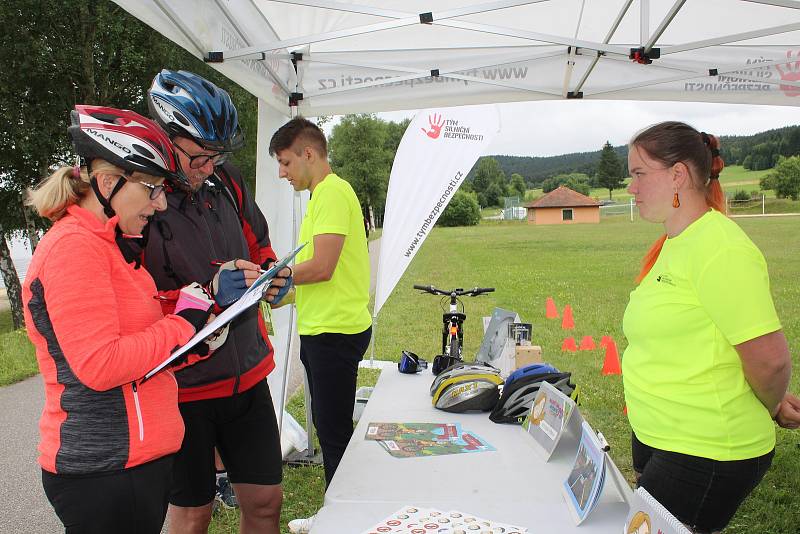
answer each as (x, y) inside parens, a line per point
(125, 139)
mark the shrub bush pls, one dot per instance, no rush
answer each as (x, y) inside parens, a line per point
(462, 210)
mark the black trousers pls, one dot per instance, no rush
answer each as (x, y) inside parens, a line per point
(702, 493)
(331, 362)
(131, 501)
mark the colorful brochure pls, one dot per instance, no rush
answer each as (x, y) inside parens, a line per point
(648, 516)
(549, 417)
(412, 431)
(584, 484)
(467, 442)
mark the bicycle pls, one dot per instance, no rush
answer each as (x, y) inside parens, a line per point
(452, 324)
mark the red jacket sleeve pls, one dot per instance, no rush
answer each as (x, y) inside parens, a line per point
(86, 314)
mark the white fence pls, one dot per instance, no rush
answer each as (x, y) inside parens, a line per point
(733, 205)
(622, 209)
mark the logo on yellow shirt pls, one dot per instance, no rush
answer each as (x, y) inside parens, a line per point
(665, 278)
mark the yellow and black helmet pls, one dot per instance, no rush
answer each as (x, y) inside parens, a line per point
(467, 392)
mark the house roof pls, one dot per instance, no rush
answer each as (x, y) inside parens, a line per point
(563, 197)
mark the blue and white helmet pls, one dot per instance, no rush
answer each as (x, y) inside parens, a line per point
(188, 105)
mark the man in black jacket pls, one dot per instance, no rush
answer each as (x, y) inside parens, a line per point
(212, 220)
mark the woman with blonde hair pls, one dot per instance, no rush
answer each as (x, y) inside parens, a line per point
(106, 437)
(707, 365)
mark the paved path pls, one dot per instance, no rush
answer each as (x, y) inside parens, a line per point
(23, 506)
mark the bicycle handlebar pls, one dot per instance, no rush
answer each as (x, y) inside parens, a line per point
(474, 292)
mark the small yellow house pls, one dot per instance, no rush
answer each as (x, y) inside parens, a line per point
(563, 206)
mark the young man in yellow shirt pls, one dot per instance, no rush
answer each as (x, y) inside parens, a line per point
(332, 284)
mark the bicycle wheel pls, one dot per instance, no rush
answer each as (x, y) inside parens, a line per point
(455, 347)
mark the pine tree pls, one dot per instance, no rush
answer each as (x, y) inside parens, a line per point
(609, 170)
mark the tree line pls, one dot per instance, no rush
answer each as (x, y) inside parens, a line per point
(54, 55)
(754, 152)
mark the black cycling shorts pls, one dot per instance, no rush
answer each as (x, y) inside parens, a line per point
(244, 430)
(701, 493)
(130, 501)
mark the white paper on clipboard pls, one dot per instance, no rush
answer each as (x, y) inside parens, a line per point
(248, 298)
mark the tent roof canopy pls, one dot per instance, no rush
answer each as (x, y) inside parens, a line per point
(334, 57)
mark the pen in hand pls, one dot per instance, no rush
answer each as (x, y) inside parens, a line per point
(218, 263)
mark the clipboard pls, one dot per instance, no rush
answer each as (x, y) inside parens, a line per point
(248, 298)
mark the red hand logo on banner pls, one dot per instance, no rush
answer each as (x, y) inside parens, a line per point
(436, 122)
(792, 74)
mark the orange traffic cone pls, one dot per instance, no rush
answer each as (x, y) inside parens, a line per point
(587, 343)
(567, 323)
(625, 409)
(569, 345)
(611, 364)
(605, 340)
(551, 312)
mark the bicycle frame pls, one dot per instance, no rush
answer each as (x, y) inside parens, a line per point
(453, 328)
(453, 319)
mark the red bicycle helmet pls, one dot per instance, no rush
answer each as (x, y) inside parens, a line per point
(125, 139)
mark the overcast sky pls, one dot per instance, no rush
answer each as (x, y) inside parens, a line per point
(549, 128)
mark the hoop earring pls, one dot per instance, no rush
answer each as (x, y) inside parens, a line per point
(676, 202)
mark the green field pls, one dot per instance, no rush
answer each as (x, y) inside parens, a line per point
(17, 359)
(590, 267)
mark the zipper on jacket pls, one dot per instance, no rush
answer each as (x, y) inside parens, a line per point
(138, 410)
(196, 204)
(232, 340)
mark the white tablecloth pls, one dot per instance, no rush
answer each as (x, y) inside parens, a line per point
(510, 485)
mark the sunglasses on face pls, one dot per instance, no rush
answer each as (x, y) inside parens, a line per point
(196, 162)
(155, 190)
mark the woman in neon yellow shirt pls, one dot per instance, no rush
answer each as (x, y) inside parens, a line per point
(707, 365)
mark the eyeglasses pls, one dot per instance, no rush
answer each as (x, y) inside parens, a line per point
(155, 190)
(196, 162)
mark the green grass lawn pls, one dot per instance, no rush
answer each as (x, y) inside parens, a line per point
(17, 359)
(590, 267)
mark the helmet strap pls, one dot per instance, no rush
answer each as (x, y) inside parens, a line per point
(106, 202)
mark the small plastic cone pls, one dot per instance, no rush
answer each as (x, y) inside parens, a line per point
(625, 409)
(605, 340)
(611, 364)
(551, 312)
(587, 343)
(569, 345)
(567, 323)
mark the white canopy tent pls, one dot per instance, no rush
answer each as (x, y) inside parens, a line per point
(324, 57)
(379, 55)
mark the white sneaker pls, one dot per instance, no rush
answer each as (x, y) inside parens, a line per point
(301, 526)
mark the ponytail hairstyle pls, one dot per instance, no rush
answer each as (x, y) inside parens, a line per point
(65, 187)
(672, 142)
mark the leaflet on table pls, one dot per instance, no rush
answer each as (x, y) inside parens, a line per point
(548, 418)
(647, 516)
(416, 520)
(411, 448)
(407, 431)
(248, 298)
(584, 484)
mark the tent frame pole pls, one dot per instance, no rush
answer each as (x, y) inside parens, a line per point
(183, 28)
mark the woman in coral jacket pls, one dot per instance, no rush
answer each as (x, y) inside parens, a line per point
(106, 437)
